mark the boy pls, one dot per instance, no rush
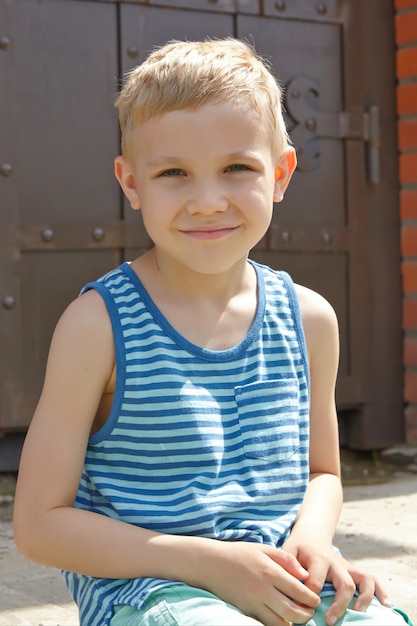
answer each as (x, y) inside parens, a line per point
(182, 464)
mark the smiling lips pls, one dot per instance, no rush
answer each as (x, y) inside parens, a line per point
(215, 232)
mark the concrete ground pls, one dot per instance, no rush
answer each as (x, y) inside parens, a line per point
(377, 530)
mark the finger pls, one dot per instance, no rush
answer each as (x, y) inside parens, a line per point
(366, 589)
(291, 591)
(288, 610)
(299, 597)
(345, 590)
(288, 562)
(368, 586)
(268, 617)
(381, 593)
(317, 574)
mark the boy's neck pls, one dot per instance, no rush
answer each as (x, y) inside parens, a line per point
(191, 285)
(213, 312)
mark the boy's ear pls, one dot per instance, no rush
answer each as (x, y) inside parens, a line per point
(125, 176)
(283, 172)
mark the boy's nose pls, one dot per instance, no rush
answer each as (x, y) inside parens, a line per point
(206, 199)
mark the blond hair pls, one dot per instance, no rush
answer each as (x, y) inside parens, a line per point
(188, 74)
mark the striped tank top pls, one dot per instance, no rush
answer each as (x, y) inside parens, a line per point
(198, 442)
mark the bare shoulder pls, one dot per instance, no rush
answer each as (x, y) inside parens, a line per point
(313, 305)
(85, 323)
(316, 311)
(319, 320)
(81, 354)
(87, 312)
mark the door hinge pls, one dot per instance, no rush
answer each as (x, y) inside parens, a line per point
(312, 124)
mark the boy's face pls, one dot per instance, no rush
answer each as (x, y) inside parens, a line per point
(205, 181)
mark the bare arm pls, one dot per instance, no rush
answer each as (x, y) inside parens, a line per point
(312, 536)
(323, 502)
(48, 528)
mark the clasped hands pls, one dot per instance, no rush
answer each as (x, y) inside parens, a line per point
(279, 587)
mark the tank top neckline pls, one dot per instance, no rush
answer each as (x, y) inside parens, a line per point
(180, 340)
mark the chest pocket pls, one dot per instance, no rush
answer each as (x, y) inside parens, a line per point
(269, 419)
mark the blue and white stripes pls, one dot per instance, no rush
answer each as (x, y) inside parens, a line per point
(199, 442)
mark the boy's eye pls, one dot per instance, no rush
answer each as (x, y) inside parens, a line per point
(236, 167)
(173, 171)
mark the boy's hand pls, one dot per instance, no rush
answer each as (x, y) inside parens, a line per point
(261, 581)
(368, 586)
(324, 564)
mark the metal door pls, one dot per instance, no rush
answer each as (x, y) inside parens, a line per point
(59, 136)
(63, 220)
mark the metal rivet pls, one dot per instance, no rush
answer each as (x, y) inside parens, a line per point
(8, 302)
(311, 123)
(98, 234)
(6, 170)
(47, 235)
(280, 5)
(5, 43)
(326, 237)
(132, 52)
(285, 236)
(321, 9)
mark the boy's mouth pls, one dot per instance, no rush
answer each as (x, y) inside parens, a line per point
(213, 232)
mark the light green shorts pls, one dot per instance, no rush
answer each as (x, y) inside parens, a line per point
(180, 605)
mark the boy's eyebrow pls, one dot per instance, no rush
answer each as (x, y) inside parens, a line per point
(245, 153)
(163, 160)
(231, 156)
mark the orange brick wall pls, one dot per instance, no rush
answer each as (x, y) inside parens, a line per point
(406, 39)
